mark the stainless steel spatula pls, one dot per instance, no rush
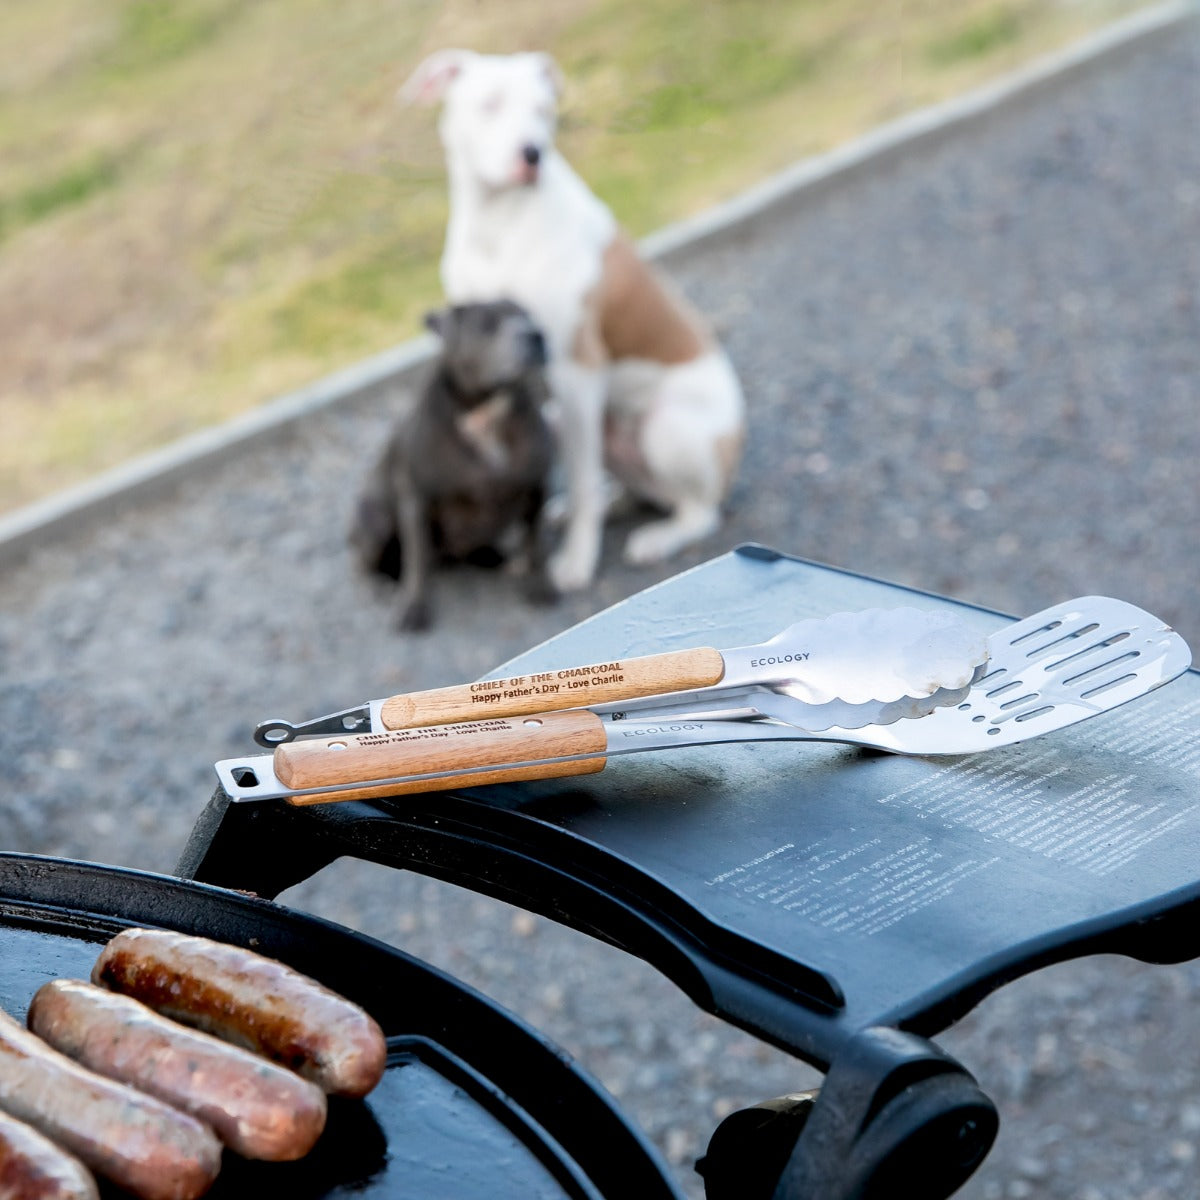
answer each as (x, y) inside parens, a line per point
(1048, 671)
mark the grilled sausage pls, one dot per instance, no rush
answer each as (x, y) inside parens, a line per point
(256, 1108)
(32, 1167)
(142, 1144)
(250, 1000)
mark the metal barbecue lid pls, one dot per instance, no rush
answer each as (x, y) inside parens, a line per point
(474, 1104)
(804, 891)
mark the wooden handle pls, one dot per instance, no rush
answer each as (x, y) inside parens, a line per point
(447, 751)
(572, 687)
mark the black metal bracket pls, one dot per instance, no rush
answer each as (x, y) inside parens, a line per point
(895, 1116)
(250, 847)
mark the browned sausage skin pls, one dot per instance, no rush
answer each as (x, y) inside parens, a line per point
(256, 1108)
(250, 1000)
(140, 1143)
(32, 1167)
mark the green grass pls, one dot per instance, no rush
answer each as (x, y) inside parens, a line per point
(151, 33)
(75, 185)
(205, 203)
(984, 35)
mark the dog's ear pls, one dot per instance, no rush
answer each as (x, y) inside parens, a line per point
(428, 83)
(436, 322)
(552, 71)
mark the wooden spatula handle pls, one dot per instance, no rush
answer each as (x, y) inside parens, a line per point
(449, 751)
(570, 687)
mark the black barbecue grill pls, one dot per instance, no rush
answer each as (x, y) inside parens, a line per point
(474, 1105)
(845, 905)
(842, 904)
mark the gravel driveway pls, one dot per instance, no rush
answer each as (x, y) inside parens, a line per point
(974, 371)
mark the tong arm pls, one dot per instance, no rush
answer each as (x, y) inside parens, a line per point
(572, 687)
(618, 682)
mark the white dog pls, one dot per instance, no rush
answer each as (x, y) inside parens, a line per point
(642, 386)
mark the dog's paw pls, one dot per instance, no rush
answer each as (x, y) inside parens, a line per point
(569, 572)
(653, 542)
(648, 545)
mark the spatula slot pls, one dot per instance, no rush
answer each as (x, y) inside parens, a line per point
(1005, 688)
(1044, 711)
(1066, 639)
(992, 676)
(1087, 650)
(1107, 686)
(1049, 627)
(1075, 680)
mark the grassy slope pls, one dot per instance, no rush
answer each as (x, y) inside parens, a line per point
(204, 203)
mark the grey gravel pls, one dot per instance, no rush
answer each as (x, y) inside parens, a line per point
(973, 370)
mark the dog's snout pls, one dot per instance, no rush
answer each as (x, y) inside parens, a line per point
(537, 347)
(531, 154)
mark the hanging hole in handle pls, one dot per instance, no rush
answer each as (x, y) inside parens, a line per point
(274, 733)
(534, 721)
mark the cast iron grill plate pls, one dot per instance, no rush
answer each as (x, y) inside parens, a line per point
(473, 1103)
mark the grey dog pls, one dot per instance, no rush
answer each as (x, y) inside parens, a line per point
(466, 469)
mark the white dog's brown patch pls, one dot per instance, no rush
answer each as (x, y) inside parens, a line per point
(633, 313)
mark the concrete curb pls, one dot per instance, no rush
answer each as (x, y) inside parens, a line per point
(152, 474)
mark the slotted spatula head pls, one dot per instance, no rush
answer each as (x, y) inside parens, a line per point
(1065, 664)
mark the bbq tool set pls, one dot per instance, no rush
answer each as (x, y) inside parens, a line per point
(901, 680)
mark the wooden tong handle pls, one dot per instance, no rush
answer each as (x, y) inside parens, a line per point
(329, 762)
(571, 687)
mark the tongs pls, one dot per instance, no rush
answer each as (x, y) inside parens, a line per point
(845, 665)
(1051, 670)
